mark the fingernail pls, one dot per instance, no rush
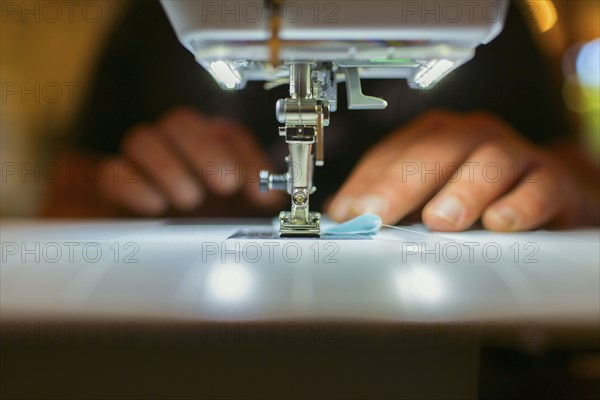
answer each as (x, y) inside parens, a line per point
(506, 216)
(230, 185)
(225, 179)
(154, 202)
(370, 204)
(231, 175)
(450, 209)
(189, 193)
(341, 208)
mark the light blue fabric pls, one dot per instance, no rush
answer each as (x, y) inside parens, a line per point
(366, 224)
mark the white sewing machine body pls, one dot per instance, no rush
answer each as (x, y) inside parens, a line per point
(385, 39)
(314, 45)
(175, 306)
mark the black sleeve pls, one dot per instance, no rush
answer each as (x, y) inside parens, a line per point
(509, 77)
(143, 72)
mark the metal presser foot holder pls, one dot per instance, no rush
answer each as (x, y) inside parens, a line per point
(313, 95)
(305, 113)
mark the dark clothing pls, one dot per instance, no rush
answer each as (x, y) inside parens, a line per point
(145, 71)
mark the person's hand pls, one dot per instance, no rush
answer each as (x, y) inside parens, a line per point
(462, 167)
(181, 162)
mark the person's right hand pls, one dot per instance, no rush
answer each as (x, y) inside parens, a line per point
(183, 160)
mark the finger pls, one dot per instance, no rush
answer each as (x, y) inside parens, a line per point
(420, 170)
(327, 203)
(195, 138)
(536, 199)
(374, 164)
(250, 160)
(145, 147)
(122, 183)
(487, 174)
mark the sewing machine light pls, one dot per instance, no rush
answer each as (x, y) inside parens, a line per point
(225, 74)
(432, 72)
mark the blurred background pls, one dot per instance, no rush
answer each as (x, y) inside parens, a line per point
(48, 51)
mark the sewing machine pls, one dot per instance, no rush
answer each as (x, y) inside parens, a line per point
(314, 45)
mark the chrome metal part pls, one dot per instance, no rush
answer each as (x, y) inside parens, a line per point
(304, 114)
(356, 99)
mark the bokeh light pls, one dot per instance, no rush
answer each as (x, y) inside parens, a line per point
(544, 14)
(588, 64)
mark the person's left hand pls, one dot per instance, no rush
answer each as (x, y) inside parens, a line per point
(463, 167)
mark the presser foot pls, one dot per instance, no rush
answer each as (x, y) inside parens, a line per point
(290, 228)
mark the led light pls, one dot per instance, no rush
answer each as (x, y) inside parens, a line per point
(431, 73)
(226, 75)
